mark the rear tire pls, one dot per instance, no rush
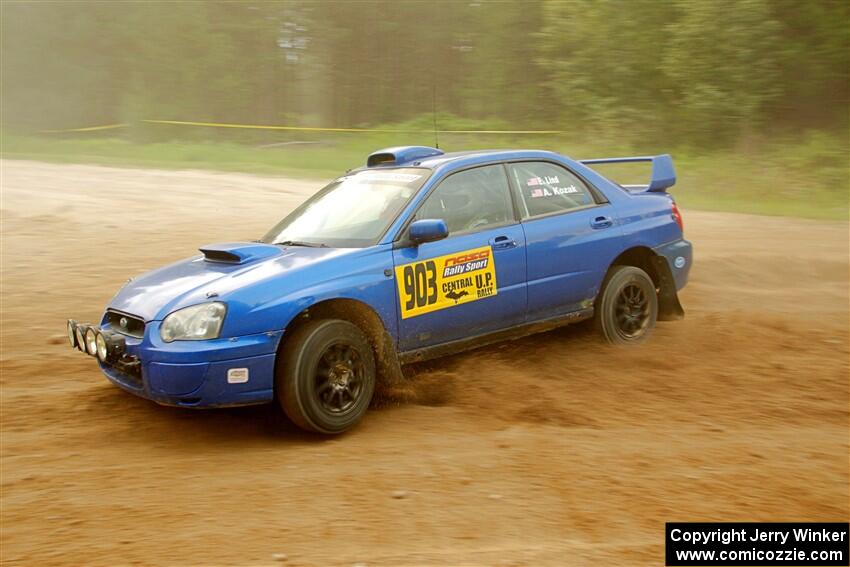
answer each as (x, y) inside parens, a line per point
(627, 307)
(325, 376)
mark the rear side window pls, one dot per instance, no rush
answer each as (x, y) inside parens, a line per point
(546, 188)
(471, 200)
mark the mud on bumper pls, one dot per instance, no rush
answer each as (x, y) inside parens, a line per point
(200, 384)
(215, 373)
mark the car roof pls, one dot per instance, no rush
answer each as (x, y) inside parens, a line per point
(461, 159)
(432, 158)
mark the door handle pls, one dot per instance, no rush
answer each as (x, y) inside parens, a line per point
(502, 243)
(601, 222)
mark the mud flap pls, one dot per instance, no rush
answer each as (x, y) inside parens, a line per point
(669, 308)
(387, 361)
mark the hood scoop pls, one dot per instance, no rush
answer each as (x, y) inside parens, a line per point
(238, 252)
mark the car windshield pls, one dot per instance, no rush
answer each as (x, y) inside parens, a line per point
(351, 212)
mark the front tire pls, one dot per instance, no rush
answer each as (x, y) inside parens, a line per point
(325, 376)
(627, 307)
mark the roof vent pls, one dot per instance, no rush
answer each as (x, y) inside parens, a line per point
(400, 155)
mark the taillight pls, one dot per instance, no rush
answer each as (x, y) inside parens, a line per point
(678, 216)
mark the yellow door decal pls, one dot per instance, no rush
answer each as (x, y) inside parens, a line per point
(446, 281)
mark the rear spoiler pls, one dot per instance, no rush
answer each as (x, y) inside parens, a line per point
(663, 173)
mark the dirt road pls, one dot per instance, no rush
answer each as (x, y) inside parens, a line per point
(549, 450)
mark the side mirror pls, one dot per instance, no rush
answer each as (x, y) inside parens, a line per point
(428, 230)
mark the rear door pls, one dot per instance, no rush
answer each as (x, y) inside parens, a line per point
(473, 281)
(572, 236)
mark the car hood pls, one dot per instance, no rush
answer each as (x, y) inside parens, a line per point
(220, 271)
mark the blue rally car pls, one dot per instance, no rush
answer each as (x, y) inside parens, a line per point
(418, 254)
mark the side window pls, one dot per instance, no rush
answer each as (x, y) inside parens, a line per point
(547, 188)
(471, 200)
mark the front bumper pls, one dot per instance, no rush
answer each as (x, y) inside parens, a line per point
(220, 372)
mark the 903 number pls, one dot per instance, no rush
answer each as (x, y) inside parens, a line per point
(420, 284)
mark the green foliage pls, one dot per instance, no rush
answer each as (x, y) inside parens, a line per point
(722, 63)
(692, 72)
(602, 62)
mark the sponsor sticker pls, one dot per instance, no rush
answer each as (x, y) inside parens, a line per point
(387, 176)
(446, 281)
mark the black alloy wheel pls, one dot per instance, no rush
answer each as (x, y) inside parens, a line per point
(339, 377)
(632, 311)
(627, 306)
(325, 375)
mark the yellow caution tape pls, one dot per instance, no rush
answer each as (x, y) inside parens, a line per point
(88, 129)
(309, 129)
(301, 128)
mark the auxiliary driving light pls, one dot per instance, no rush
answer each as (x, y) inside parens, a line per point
(72, 333)
(80, 334)
(100, 343)
(91, 341)
(109, 345)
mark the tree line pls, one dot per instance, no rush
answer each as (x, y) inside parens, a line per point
(710, 72)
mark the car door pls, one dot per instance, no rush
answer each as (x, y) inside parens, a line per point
(572, 236)
(473, 281)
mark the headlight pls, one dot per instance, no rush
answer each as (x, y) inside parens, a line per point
(195, 323)
(91, 341)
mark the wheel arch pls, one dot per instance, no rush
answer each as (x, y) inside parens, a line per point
(658, 269)
(366, 318)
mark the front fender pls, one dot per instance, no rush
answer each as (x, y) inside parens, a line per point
(364, 275)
